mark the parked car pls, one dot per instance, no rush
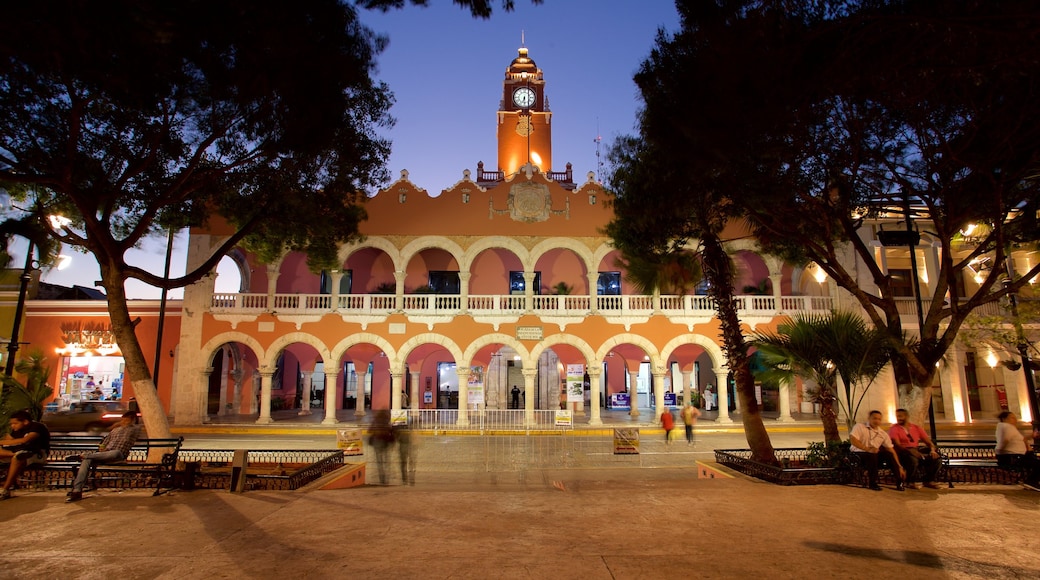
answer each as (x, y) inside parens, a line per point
(89, 416)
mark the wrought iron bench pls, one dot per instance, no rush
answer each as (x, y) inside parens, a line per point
(137, 471)
(974, 461)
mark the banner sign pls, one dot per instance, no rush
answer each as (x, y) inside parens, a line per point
(564, 419)
(619, 401)
(475, 382)
(399, 418)
(575, 383)
(350, 441)
(626, 441)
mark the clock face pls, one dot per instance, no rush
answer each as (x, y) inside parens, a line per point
(523, 97)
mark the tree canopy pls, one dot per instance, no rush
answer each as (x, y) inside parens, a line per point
(811, 117)
(132, 117)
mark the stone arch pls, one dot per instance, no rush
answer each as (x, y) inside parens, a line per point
(412, 248)
(372, 242)
(245, 272)
(563, 338)
(489, 243)
(210, 348)
(337, 351)
(270, 356)
(709, 346)
(431, 338)
(496, 338)
(599, 254)
(571, 244)
(656, 361)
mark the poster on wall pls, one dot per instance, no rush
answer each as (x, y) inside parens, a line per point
(476, 386)
(575, 383)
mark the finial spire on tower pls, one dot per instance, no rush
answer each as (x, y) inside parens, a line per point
(523, 44)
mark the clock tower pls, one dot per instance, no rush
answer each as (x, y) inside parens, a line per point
(524, 129)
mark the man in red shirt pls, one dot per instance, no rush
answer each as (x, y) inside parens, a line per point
(917, 452)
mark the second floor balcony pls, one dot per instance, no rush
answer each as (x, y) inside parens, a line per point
(545, 306)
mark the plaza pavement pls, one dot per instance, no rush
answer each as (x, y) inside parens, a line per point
(617, 523)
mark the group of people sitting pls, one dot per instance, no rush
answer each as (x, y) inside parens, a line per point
(914, 459)
(28, 442)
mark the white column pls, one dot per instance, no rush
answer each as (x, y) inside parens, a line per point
(359, 406)
(686, 380)
(721, 384)
(463, 406)
(596, 378)
(223, 409)
(463, 292)
(265, 396)
(395, 390)
(658, 378)
(399, 278)
(413, 400)
(305, 403)
(776, 280)
(272, 285)
(633, 393)
(203, 394)
(593, 292)
(529, 385)
(785, 403)
(528, 291)
(336, 276)
(330, 396)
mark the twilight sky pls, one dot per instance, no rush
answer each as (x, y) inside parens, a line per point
(446, 70)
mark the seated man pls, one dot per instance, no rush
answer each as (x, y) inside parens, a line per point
(26, 444)
(916, 451)
(115, 447)
(1013, 452)
(867, 440)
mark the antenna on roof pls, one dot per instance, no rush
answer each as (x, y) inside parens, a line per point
(599, 163)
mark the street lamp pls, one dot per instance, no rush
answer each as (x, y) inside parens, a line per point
(911, 238)
(23, 289)
(1023, 350)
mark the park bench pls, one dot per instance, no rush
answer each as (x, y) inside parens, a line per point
(136, 471)
(973, 461)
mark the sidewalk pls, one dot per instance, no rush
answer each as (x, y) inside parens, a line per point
(609, 524)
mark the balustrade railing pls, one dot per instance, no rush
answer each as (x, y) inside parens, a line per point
(506, 304)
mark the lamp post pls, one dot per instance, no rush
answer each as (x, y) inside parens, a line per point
(910, 238)
(1023, 350)
(23, 289)
(162, 311)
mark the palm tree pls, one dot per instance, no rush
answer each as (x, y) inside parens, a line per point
(34, 393)
(822, 347)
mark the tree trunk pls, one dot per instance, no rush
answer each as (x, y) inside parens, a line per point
(137, 370)
(829, 417)
(913, 397)
(718, 271)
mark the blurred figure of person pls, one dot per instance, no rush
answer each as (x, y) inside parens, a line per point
(27, 443)
(381, 437)
(689, 417)
(516, 397)
(667, 423)
(1013, 453)
(868, 439)
(709, 398)
(407, 452)
(917, 452)
(114, 447)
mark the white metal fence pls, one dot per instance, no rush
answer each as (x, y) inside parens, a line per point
(483, 420)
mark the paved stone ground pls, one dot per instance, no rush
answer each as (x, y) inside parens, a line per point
(579, 523)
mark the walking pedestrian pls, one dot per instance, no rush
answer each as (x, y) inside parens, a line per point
(668, 423)
(689, 416)
(381, 437)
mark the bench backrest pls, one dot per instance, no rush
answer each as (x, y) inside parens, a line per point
(65, 445)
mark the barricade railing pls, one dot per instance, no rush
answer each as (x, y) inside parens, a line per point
(482, 420)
